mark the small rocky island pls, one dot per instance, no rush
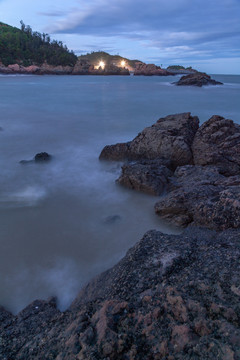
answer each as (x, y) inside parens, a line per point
(197, 79)
(172, 296)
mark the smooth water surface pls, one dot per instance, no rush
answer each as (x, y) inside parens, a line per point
(63, 222)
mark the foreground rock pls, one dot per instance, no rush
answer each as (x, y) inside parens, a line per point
(217, 142)
(169, 138)
(197, 79)
(201, 195)
(204, 189)
(170, 297)
(149, 176)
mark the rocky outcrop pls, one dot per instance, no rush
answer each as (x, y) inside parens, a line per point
(150, 70)
(197, 79)
(44, 69)
(149, 176)
(169, 138)
(170, 297)
(82, 67)
(217, 142)
(204, 189)
(202, 196)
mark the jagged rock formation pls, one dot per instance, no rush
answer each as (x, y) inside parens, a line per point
(170, 297)
(197, 79)
(217, 142)
(204, 189)
(169, 138)
(201, 195)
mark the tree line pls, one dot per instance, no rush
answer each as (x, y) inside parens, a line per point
(27, 47)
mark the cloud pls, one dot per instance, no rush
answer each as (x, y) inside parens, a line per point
(186, 27)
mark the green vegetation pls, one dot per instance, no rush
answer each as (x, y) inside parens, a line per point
(95, 57)
(25, 47)
(178, 67)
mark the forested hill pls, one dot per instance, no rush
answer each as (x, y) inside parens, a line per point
(96, 56)
(27, 47)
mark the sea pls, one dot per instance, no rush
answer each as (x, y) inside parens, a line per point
(65, 221)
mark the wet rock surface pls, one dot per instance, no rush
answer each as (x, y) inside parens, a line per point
(203, 196)
(217, 142)
(197, 79)
(196, 170)
(149, 176)
(170, 297)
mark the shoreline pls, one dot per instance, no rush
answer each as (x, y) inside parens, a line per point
(171, 296)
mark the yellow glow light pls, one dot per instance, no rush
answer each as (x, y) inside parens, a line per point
(123, 63)
(102, 64)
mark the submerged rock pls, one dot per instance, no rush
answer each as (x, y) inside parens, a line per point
(171, 296)
(197, 79)
(112, 219)
(169, 138)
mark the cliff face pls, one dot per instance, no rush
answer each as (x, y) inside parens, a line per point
(170, 297)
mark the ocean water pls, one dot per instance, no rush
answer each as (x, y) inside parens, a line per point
(65, 221)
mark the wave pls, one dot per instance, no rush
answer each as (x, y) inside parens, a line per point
(28, 196)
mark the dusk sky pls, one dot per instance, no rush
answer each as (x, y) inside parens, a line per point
(202, 33)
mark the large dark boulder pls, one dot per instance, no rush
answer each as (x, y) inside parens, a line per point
(202, 196)
(196, 79)
(149, 176)
(217, 142)
(169, 138)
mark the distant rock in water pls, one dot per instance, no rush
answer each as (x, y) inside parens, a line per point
(39, 158)
(43, 156)
(197, 79)
(111, 219)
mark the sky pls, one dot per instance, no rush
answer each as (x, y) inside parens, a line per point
(204, 34)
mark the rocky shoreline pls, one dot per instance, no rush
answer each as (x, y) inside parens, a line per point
(172, 296)
(84, 67)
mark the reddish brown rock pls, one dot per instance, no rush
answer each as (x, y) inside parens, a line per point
(170, 297)
(150, 70)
